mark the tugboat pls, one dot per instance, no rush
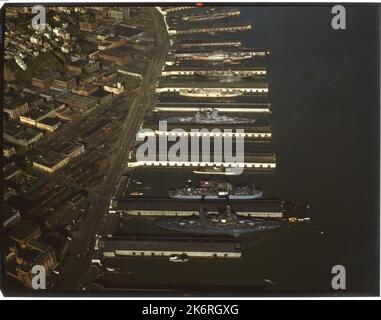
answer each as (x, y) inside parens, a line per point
(225, 222)
(212, 189)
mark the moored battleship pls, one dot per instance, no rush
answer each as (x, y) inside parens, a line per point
(219, 170)
(210, 117)
(221, 56)
(223, 222)
(212, 189)
(210, 93)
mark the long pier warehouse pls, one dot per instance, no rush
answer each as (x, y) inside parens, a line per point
(251, 162)
(166, 246)
(223, 87)
(252, 131)
(261, 208)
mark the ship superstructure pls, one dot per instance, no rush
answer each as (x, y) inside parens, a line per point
(212, 189)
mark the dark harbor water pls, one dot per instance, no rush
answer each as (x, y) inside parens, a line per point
(325, 101)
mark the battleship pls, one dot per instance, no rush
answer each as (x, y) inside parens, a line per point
(210, 93)
(223, 222)
(211, 15)
(218, 75)
(210, 116)
(221, 56)
(218, 170)
(212, 189)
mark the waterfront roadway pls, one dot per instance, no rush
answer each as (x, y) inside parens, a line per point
(83, 239)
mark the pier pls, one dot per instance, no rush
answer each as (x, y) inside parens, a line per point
(187, 87)
(232, 27)
(253, 131)
(261, 208)
(195, 160)
(210, 43)
(166, 246)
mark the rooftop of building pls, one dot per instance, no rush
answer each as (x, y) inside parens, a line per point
(128, 30)
(117, 52)
(12, 102)
(67, 147)
(50, 121)
(100, 93)
(18, 131)
(46, 76)
(49, 158)
(35, 114)
(24, 229)
(65, 78)
(196, 83)
(168, 244)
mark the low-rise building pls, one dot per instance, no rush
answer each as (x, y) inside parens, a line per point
(41, 117)
(50, 161)
(49, 124)
(19, 135)
(129, 32)
(111, 42)
(44, 80)
(24, 232)
(33, 116)
(10, 169)
(88, 26)
(80, 66)
(115, 88)
(64, 83)
(80, 103)
(131, 71)
(8, 150)
(121, 55)
(102, 96)
(71, 149)
(35, 253)
(12, 217)
(86, 90)
(122, 14)
(16, 109)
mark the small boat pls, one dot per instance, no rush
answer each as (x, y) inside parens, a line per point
(178, 258)
(136, 194)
